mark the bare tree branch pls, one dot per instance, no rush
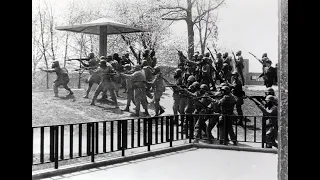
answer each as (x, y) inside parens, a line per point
(175, 19)
(176, 7)
(200, 16)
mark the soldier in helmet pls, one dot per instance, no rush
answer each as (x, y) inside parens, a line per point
(219, 62)
(158, 89)
(106, 70)
(270, 112)
(129, 88)
(236, 86)
(153, 58)
(269, 74)
(116, 78)
(175, 95)
(93, 78)
(240, 66)
(225, 73)
(195, 56)
(138, 80)
(148, 70)
(227, 104)
(200, 108)
(62, 78)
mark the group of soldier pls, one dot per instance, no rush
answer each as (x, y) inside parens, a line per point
(111, 72)
(203, 85)
(198, 92)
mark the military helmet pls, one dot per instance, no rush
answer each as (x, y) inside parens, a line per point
(269, 90)
(238, 53)
(191, 78)
(127, 66)
(102, 57)
(225, 88)
(271, 98)
(207, 54)
(157, 69)
(144, 63)
(55, 64)
(235, 73)
(178, 71)
(226, 54)
(204, 87)
(103, 62)
(219, 54)
(225, 65)
(196, 84)
(109, 58)
(91, 55)
(264, 55)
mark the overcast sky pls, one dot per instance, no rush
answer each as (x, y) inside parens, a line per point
(247, 25)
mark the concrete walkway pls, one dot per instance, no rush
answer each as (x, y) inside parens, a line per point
(189, 164)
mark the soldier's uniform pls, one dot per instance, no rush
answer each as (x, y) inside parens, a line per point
(107, 83)
(201, 108)
(130, 91)
(240, 66)
(138, 80)
(269, 75)
(158, 88)
(94, 77)
(62, 78)
(271, 116)
(239, 93)
(227, 104)
(225, 73)
(175, 95)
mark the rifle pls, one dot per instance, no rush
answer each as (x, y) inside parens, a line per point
(78, 59)
(214, 67)
(85, 68)
(256, 57)
(258, 98)
(235, 62)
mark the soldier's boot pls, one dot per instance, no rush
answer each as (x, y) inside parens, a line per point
(70, 93)
(235, 143)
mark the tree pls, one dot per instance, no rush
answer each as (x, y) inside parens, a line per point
(132, 13)
(184, 10)
(206, 25)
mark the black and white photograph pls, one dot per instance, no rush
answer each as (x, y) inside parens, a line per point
(160, 89)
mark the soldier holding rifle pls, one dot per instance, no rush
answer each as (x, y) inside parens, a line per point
(62, 78)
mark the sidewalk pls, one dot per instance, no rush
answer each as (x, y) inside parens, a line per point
(189, 164)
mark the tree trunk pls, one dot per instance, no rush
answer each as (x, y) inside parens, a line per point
(190, 39)
(66, 50)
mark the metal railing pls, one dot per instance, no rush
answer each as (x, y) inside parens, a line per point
(70, 141)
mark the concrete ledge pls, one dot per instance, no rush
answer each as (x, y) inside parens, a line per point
(84, 166)
(235, 148)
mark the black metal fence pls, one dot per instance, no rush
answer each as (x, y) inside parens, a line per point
(51, 144)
